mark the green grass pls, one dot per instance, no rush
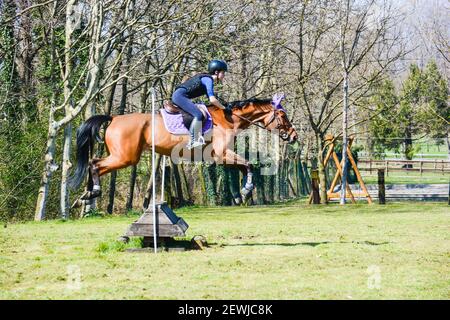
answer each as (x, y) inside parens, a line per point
(289, 251)
(405, 177)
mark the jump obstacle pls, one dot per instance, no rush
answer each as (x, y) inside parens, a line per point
(331, 153)
(159, 225)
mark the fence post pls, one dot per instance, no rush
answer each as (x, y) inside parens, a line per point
(386, 165)
(381, 188)
(315, 186)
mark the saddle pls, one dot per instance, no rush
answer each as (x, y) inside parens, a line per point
(171, 107)
(177, 121)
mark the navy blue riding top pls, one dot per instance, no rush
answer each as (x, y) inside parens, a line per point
(199, 85)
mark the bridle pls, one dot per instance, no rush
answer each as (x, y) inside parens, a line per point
(272, 118)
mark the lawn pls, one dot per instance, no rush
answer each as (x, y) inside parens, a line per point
(288, 251)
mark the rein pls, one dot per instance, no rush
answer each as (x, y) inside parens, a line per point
(253, 122)
(256, 123)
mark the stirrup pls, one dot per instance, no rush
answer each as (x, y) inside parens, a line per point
(193, 144)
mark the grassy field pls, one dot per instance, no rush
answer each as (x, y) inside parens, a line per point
(289, 251)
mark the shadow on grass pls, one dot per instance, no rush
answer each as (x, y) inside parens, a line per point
(310, 244)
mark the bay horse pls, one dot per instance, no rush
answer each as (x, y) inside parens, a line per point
(127, 136)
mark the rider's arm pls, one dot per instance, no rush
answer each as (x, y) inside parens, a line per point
(208, 83)
(216, 102)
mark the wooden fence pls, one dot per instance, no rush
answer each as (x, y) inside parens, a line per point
(437, 166)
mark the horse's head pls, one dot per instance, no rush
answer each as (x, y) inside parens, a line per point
(269, 113)
(277, 119)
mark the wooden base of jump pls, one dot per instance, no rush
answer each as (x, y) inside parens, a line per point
(331, 154)
(168, 226)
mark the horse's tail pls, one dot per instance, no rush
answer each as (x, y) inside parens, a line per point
(86, 134)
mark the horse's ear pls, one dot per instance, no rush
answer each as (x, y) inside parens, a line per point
(277, 97)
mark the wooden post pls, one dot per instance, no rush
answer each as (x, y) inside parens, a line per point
(315, 186)
(449, 193)
(381, 188)
(421, 167)
(386, 165)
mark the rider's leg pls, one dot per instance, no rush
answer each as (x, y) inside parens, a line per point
(187, 105)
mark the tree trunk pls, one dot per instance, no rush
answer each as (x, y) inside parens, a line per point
(184, 184)
(448, 143)
(66, 165)
(321, 169)
(259, 184)
(233, 178)
(49, 156)
(201, 179)
(408, 144)
(121, 111)
(148, 191)
(133, 174)
(177, 189)
(210, 183)
(112, 191)
(129, 205)
(49, 168)
(344, 139)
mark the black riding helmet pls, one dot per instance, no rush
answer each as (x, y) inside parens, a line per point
(217, 65)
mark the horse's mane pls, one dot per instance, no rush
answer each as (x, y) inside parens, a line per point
(242, 103)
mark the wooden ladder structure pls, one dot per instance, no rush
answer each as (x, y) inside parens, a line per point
(331, 153)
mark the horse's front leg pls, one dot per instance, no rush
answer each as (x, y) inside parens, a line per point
(248, 186)
(223, 153)
(233, 159)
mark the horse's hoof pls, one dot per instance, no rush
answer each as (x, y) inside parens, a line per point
(96, 193)
(238, 200)
(245, 196)
(88, 195)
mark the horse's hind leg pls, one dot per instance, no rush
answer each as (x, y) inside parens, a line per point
(97, 168)
(94, 189)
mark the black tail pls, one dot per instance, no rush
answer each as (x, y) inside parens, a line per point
(86, 134)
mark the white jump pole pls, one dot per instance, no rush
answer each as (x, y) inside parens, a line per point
(155, 245)
(162, 178)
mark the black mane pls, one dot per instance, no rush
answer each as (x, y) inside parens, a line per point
(241, 103)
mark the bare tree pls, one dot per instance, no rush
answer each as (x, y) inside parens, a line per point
(317, 61)
(96, 75)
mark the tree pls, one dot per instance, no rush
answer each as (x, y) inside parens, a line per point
(371, 45)
(434, 116)
(383, 126)
(410, 100)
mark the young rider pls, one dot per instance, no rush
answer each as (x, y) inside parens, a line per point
(196, 86)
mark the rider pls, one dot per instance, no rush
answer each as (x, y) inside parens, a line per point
(196, 86)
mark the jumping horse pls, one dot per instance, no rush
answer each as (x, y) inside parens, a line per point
(127, 136)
